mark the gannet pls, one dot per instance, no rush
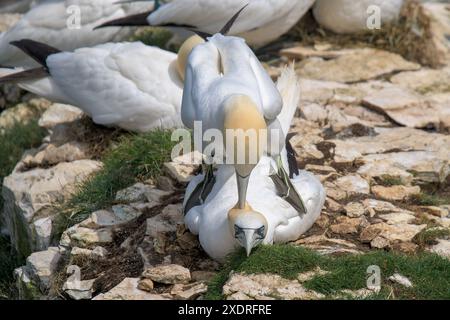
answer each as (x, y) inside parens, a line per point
(54, 22)
(129, 85)
(262, 22)
(349, 16)
(268, 217)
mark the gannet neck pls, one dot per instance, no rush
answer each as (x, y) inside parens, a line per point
(184, 52)
(243, 116)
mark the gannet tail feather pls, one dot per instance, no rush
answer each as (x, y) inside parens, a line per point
(36, 50)
(289, 87)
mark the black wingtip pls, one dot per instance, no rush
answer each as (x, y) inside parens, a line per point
(227, 27)
(37, 50)
(24, 75)
(135, 20)
(291, 154)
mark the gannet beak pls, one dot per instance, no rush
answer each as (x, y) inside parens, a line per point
(248, 241)
(242, 183)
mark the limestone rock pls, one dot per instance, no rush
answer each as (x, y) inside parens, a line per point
(353, 184)
(168, 274)
(395, 193)
(355, 209)
(85, 237)
(146, 285)
(52, 154)
(189, 291)
(79, 290)
(166, 221)
(401, 232)
(346, 225)
(23, 113)
(268, 285)
(58, 114)
(42, 265)
(442, 248)
(26, 288)
(183, 167)
(402, 280)
(128, 290)
(406, 108)
(424, 81)
(398, 217)
(135, 193)
(30, 196)
(366, 64)
(421, 154)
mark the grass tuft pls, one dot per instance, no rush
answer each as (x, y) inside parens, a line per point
(134, 158)
(13, 142)
(429, 273)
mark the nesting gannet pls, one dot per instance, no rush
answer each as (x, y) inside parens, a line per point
(55, 22)
(269, 216)
(129, 85)
(262, 22)
(349, 16)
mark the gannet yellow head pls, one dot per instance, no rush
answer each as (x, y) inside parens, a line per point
(248, 227)
(244, 124)
(184, 52)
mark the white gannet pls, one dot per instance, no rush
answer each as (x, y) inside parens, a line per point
(129, 85)
(262, 22)
(50, 22)
(268, 217)
(226, 88)
(349, 16)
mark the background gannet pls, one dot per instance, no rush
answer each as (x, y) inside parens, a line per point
(349, 16)
(49, 22)
(272, 219)
(129, 85)
(262, 22)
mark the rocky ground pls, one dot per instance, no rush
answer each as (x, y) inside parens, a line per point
(373, 126)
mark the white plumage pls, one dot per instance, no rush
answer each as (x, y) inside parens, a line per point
(261, 22)
(211, 222)
(349, 16)
(16, 6)
(129, 85)
(49, 22)
(219, 68)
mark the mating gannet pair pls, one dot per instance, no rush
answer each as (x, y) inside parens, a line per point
(262, 22)
(349, 16)
(246, 203)
(55, 22)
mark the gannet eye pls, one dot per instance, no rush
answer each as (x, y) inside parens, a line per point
(261, 233)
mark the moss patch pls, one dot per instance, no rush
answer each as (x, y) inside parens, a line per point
(429, 273)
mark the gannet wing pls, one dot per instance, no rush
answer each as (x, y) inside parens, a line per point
(126, 84)
(210, 15)
(51, 22)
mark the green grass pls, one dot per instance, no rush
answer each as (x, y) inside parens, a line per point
(430, 235)
(429, 273)
(153, 36)
(430, 199)
(13, 142)
(134, 158)
(389, 181)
